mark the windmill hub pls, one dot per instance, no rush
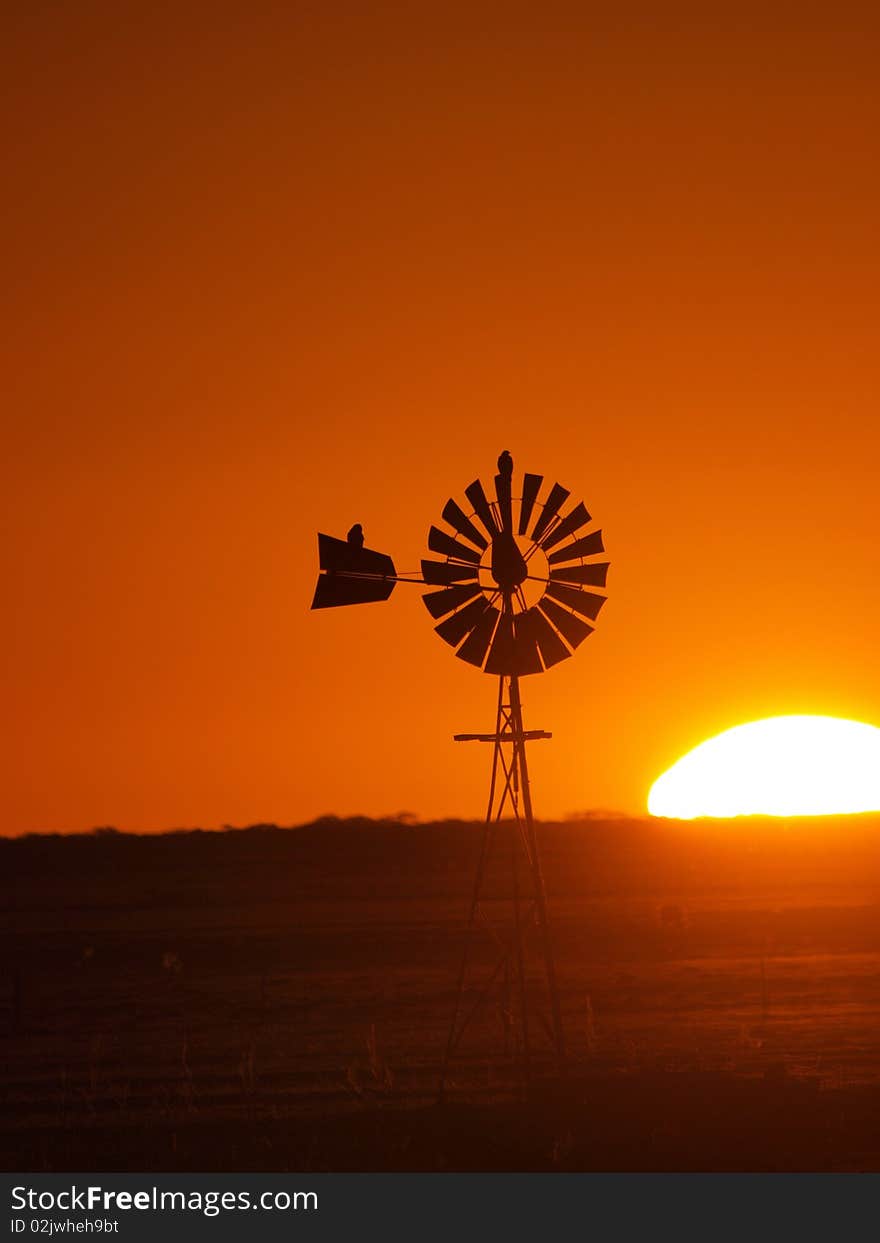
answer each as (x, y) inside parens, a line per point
(509, 567)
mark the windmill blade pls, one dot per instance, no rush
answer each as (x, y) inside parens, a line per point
(502, 491)
(501, 655)
(593, 575)
(514, 649)
(439, 603)
(457, 518)
(442, 573)
(583, 602)
(531, 488)
(579, 517)
(588, 546)
(439, 541)
(536, 625)
(477, 497)
(475, 646)
(454, 629)
(572, 629)
(528, 659)
(334, 590)
(558, 496)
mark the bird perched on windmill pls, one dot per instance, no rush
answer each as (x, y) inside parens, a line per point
(505, 464)
(355, 536)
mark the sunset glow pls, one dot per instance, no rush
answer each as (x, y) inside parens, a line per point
(307, 267)
(782, 766)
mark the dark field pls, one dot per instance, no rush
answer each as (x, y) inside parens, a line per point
(273, 1000)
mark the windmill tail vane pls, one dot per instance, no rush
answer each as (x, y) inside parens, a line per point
(519, 587)
(351, 574)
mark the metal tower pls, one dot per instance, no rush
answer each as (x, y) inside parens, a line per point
(515, 595)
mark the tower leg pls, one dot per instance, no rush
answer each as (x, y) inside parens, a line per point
(455, 1027)
(537, 875)
(509, 787)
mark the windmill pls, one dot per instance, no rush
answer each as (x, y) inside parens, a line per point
(518, 588)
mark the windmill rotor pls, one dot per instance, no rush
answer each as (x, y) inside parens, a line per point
(484, 609)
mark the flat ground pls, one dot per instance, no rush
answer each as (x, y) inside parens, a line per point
(274, 1000)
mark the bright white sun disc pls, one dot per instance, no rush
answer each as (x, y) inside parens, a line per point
(781, 766)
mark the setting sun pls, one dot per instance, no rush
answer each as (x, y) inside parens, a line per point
(782, 766)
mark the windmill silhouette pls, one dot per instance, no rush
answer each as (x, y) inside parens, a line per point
(519, 588)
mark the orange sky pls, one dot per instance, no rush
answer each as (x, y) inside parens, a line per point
(278, 268)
